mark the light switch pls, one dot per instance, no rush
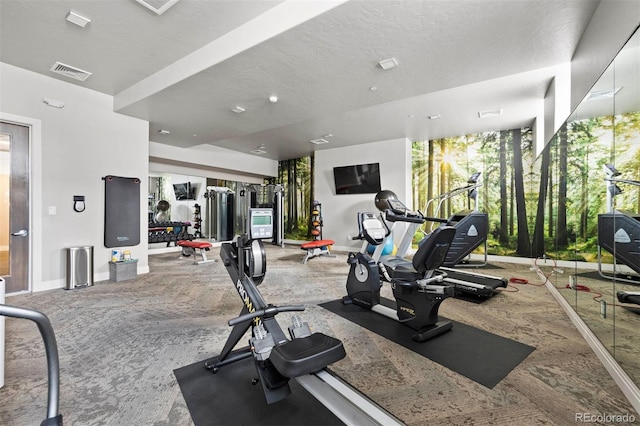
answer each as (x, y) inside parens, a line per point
(52, 210)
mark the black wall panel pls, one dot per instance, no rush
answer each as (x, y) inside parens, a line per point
(121, 211)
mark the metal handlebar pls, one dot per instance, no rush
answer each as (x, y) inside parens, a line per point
(627, 181)
(269, 311)
(51, 349)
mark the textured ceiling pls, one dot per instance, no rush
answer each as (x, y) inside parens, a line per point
(184, 70)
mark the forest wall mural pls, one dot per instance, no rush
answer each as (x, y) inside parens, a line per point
(296, 177)
(538, 207)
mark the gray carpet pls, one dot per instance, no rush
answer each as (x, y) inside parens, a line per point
(120, 342)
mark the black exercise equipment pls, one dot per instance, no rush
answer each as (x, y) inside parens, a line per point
(51, 350)
(417, 285)
(629, 297)
(472, 228)
(276, 358)
(618, 231)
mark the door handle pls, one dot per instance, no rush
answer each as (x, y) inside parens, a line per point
(20, 233)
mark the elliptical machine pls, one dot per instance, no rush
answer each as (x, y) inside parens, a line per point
(619, 232)
(417, 285)
(277, 359)
(472, 228)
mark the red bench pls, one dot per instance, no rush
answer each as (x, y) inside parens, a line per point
(190, 247)
(317, 248)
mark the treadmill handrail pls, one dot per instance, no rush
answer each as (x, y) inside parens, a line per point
(51, 349)
(627, 181)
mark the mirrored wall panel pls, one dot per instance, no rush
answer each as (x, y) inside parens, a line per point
(592, 210)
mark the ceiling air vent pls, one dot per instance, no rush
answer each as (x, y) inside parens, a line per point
(158, 6)
(71, 72)
(490, 113)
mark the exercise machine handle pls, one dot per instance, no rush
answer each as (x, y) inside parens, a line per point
(51, 350)
(435, 219)
(410, 217)
(269, 311)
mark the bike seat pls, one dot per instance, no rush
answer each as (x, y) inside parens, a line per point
(401, 269)
(306, 355)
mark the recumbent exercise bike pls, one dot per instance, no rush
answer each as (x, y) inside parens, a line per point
(417, 285)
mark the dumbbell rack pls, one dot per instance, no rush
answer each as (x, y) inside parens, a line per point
(197, 219)
(315, 222)
(169, 232)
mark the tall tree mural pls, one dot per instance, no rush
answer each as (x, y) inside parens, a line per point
(296, 177)
(523, 247)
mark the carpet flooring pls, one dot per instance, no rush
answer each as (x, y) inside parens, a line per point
(120, 343)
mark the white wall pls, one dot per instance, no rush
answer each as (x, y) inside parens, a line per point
(339, 211)
(72, 150)
(213, 161)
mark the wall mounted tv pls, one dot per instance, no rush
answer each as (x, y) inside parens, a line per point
(357, 179)
(184, 191)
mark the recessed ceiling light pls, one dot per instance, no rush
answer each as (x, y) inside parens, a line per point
(410, 115)
(238, 109)
(387, 64)
(319, 141)
(490, 113)
(76, 18)
(163, 132)
(259, 150)
(373, 88)
(433, 117)
(273, 99)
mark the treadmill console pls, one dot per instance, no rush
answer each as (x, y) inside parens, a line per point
(260, 224)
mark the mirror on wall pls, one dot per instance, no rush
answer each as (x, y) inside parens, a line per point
(594, 195)
(186, 207)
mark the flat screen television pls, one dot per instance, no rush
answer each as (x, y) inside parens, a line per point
(184, 191)
(357, 179)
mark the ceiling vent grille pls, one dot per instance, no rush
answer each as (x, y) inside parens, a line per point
(320, 141)
(490, 113)
(71, 72)
(158, 6)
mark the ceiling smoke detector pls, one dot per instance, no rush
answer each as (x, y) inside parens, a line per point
(490, 113)
(158, 6)
(69, 71)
